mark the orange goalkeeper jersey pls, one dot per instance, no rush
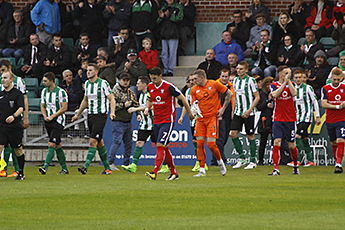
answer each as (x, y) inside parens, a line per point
(208, 97)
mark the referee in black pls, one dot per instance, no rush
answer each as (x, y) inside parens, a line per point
(11, 129)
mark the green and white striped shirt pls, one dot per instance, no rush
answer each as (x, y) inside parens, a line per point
(96, 93)
(52, 102)
(189, 99)
(244, 89)
(18, 83)
(146, 122)
(306, 102)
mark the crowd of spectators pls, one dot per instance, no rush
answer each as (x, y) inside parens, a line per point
(126, 36)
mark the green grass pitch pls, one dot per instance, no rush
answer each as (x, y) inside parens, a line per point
(240, 200)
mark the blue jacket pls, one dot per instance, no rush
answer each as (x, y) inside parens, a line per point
(48, 13)
(222, 51)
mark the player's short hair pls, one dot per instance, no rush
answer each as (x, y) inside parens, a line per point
(237, 12)
(50, 76)
(245, 64)
(6, 63)
(9, 73)
(200, 72)
(95, 66)
(299, 71)
(144, 79)
(267, 80)
(155, 71)
(337, 72)
(225, 70)
(281, 68)
(147, 40)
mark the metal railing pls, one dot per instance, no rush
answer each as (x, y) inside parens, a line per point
(75, 134)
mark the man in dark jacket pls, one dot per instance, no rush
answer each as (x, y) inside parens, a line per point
(72, 86)
(319, 72)
(58, 56)
(34, 55)
(121, 125)
(133, 66)
(17, 36)
(239, 29)
(117, 13)
(187, 29)
(210, 65)
(289, 54)
(263, 55)
(106, 71)
(310, 47)
(90, 15)
(84, 50)
(144, 15)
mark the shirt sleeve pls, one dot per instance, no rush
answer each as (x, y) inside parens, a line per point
(42, 96)
(273, 87)
(253, 85)
(20, 100)
(323, 94)
(21, 86)
(106, 88)
(220, 87)
(314, 100)
(63, 96)
(174, 91)
(193, 95)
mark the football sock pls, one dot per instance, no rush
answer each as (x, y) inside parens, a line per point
(160, 156)
(170, 161)
(252, 146)
(61, 158)
(276, 156)
(15, 161)
(294, 155)
(334, 150)
(102, 151)
(7, 154)
(49, 157)
(214, 149)
(307, 150)
(201, 153)
(300, 146)
(137, 154)
(238, 147)
(90, 155)
(21, 163)
(340, 152)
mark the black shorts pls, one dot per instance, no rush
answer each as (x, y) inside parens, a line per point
(11, 136)
(96, 123)
(144, 134)
(237, 124)
(302, 129)
(54, 131)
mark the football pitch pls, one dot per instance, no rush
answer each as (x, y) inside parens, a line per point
(240, 200)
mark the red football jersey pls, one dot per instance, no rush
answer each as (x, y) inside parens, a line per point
(284, 105)
(163, 100)
(334, 96)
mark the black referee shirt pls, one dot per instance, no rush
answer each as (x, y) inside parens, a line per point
(10, 102)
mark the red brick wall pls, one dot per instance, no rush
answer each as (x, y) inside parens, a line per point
(213, 10)
(220, 10)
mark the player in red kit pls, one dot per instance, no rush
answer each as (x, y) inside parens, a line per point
(333, 100)
(284, 118)
(162, 96)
